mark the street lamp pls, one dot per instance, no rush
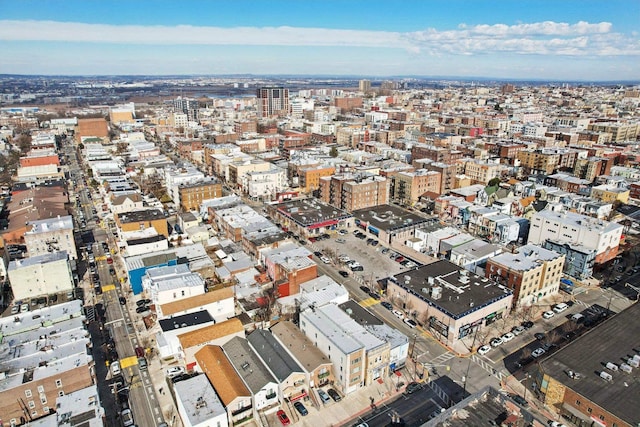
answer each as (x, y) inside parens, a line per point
(525, 379)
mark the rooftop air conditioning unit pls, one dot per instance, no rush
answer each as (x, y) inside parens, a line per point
(626, 368)
(611, 366)
(606, 376)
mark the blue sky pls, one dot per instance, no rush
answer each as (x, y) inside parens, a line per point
(554, 39)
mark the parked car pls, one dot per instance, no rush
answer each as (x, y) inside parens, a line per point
(507, 337)
(127, 417)
(142, 363)
(559, 308)
(142, 309)
(324, 396)
(123, 300)
(410, 322)
(539, 336)
(519, 399)
(538, 352)
(527, 324)
(578, 318)
(334, 395)
(343, 273)
(115, 368)
(374, 295)
(398, 314)
(174, 371)
(318, 254)
(412, 387)
(365, 289)
(495, 342)
(139, 351)
(552, 423)
(282, 416)
(340, 240)
(386, 305)
(548, 314)
(143, 302)
(484, 350)
(325, 259)
(517, 330)
(300, 408)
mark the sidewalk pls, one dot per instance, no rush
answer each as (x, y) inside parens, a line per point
(511, 384)
(354, 405)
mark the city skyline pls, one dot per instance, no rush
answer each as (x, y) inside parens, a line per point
(572, 40)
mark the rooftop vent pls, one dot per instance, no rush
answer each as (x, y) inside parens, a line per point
(606, 376)
(612, 366)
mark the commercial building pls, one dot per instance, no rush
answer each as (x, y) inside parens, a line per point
(138, 220)
(448, 300)
(595, 379)
(389, 223)
(309, 217)
(198, 404)
(51, 235)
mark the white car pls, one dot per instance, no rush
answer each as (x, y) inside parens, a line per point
(518, 330)
(484, 350)
(548, 314)
(495, 342)
(507, 337)
(555, 424)
(115, 368)
(398, 314)
(325, 259)
(559, 308)
(175, 371)
(538, 352)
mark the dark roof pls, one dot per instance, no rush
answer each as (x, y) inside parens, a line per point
(614, 340)
(630, 211)
(359, 313)
(273, 354)
(247, 363)
(177, 322)
(144, 215)
(159, 259)
(144, 240)
(476, 291)
(310, 212)
(390, 218)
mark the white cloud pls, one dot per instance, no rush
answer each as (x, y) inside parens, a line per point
(539, 38)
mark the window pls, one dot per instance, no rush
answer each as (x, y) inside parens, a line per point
(601, 417)
(58, 383)
(40, 389)
(34, 414)
(28, 393)
(589, 410)
(43, 399)
(60, 393)
(31, 404)
(578, 402)
(45, 409)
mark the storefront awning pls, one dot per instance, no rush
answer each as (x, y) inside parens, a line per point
(298, 397)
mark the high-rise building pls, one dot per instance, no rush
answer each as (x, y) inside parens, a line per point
(187, 106)
(273, 101)
(364, 86)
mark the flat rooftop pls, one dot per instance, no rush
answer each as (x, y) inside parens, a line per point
(137, 216)
(311, 212)
(462, 292)
(390, 218)
(614, 340)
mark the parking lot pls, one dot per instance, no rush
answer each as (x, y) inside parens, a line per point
(377, 261)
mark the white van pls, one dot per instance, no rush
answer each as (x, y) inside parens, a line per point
(559, 308)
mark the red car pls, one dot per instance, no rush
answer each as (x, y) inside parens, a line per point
(282, 416)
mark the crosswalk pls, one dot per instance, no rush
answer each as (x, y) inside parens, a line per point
(487, 365)
(443, 358)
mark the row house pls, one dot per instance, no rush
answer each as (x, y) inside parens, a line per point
(568, 183)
